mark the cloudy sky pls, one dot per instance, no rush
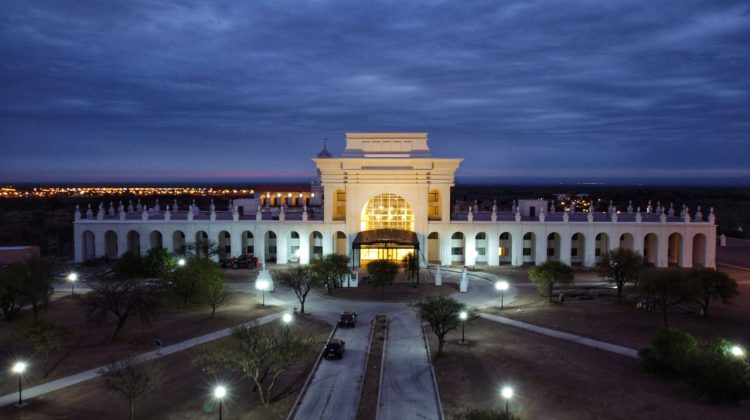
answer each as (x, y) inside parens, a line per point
(164, 91)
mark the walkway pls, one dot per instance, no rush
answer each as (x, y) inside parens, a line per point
(67, 381)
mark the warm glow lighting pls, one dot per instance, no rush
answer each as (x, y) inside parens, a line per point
(507, 392)
(501, 285)
(287, 318)
(463, 315)
(262, 285)
(73, 276)
(220, 392)
(181, 262)
(19, 367)
(737, 351)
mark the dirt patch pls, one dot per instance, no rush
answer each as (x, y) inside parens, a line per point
(371, 384)
(185, 392)
(557, 379)
(89, 346)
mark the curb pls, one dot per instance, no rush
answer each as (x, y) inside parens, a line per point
(441, 415)
(382, 368)
(367, 360)
(310, 376)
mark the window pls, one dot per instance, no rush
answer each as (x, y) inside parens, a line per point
(271, 249)
(598, 252)
(527, 251)
(317, 250)
(295, 235)
(575, 237)
(574, 252)
(504, 236)
(457, 251)
(481, 251)
(387, 211)
(250, 249)
(481, 236)
(550, 252)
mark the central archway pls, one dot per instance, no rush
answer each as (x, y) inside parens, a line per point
(387, 229)
(387, 211)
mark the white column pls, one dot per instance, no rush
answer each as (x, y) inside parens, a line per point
(99, 249)
(166, 239)
(541, 248)
(493, 243)
(281, 247)
(687, 253)
(589, 256)
(565, 247)
(517, 249)
(663, 257)
(235, 241)
(145, 240)
(327, 243)
(259, 245)
(304, 247)
(122, 242)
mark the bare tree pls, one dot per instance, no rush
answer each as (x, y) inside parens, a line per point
(620, 265)
(713, 285)
(121, 299)
(301, 280)
(260, 354)
(203, 248)
(668, 286)
(132, 378)
(45, 338)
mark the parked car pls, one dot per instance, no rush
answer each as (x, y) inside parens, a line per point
(243, 261)
(348, 319)
(334, 349)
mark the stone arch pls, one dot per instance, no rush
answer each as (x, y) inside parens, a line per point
(88, 245)
(110, 245)
(201, 243)
(458, 247)
(178, 242)
(433, 248)
(134, 242)
(339, 243)
(155, 239)
(627, 241)
(553, 246)
(224, 245)
(270, 241)
(293, 247)
(577, 249)
(505, 248)
(700, 249)
(387, 211)
(601, 245)
(316, 245)
(248, 242)
(651, 249)
(674, 250)
(529, 248)
(480, 248)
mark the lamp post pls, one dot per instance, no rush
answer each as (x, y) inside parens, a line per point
(72, 278)
(737, 351)
(462, 316)
(501, 286)
(19, 368)
(181, 262)
(219, 393)
(262, 285)
(507, 393)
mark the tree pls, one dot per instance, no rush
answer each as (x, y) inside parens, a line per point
(215, 290)
(620, 265)
(158, 262)
(666, 287)
(382, 273)
(121, 299)
(132, 378)
(550, 273)
(12, 297)
(301, 280)
(130, 265)
(713, 285)
(192, 282)
(45, 338)
(260, 354)
(410, 262)
(329, 270)
(203, 248)
(441, 312)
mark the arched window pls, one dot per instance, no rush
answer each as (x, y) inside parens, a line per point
(387, 211)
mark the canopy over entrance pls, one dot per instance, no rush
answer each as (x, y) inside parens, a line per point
(385, 244)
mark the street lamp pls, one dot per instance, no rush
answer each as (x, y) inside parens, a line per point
(507, 393)
(287, 318)
(737, 351)
(181, 262)
(501, 286)
(219, 393)
(262, 285)
(462, 316)
(72, 278)
(19, 368)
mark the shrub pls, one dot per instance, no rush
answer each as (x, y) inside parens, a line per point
(670, 354)
(717, 375)
(486, 414)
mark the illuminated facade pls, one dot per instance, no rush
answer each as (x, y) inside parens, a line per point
(386, 196)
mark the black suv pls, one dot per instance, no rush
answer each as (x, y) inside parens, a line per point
(348, 319)
(334, 349)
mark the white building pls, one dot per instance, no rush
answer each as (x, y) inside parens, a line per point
(386, 196)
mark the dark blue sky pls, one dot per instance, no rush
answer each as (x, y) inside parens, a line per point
(164, 91)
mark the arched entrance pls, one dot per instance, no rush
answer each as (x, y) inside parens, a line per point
(88, 243)
(155, 239)
(224, 245)
(553, 246)
(270, 241)
(674, 250)
(292, 243)
(339, 243)
(433, 248)
(178, 242)
(316, 245)
(458, 246)
(529, 246)
(480, 248)
(651, 249)
(505, 248)
(110, 244)
(134, 242)
(699, 250)
(627, 241)
(577, 249)
(602, 245)
(248, 242)
(387, 229)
